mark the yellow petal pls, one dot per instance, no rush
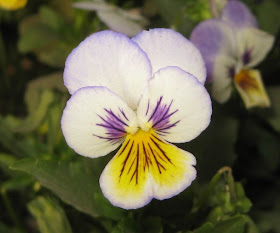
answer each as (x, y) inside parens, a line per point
(251, 89)
(146, 167)
(12, 4)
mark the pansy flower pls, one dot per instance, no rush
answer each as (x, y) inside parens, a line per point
(12, 4)
(231, 46)
(141, 94)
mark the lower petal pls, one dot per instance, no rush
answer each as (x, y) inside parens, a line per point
(251, 89)
(146, 167)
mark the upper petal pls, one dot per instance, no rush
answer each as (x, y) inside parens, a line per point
(238, 14)
(95, 121)
(253, 46)
(165, 47)
(213, 38)
(109, 59)
(176, 105)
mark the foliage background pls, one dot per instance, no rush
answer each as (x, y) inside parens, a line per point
(45, 187)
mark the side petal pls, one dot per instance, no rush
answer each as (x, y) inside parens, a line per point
(251, 89)
(95, 121)
(176, 105)
(213, 38)
(109, 59)
(165, 47)
(238, 14)
(253, 46)
(224, 69)
(146, 167)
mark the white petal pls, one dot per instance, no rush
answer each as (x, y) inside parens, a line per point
(224, 70)
(176, 105)
(253, 45)
(112, 60)
(166, 47)
(95, 121)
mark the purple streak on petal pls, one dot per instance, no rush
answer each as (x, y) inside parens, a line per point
(247, 56)
(115, 124)
(231, 71)
(160, 117)
(121, 110)
(238, 14)
(148, 107)
(110, 112)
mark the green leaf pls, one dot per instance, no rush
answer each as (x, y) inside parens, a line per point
(36, 117)
(52, 81)
(242, 204)
(34, 34)
(54, 125)
(49, 215)
(6, 159)
(234, 224)
(76, 183)
(205, 228)
(55, 53)
(19, 147)
(51, 18)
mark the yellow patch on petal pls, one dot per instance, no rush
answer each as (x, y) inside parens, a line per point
(251, 89)
(12, 4)
(146, 166)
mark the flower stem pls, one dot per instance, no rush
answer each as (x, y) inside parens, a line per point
(213, 8)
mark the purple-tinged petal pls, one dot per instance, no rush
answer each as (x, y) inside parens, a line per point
(176, 105)
(165, 47)
(238, 14)
(213, 38)
(112, 60)
(95, 121)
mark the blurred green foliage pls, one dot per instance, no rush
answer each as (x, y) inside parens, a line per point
(46, 187)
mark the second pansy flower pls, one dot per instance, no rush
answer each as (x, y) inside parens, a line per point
(141, 93)
(231, 46)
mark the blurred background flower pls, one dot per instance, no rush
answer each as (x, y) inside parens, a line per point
(12, 4)
(231, 46)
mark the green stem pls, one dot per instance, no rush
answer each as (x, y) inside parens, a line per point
(213, 9)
